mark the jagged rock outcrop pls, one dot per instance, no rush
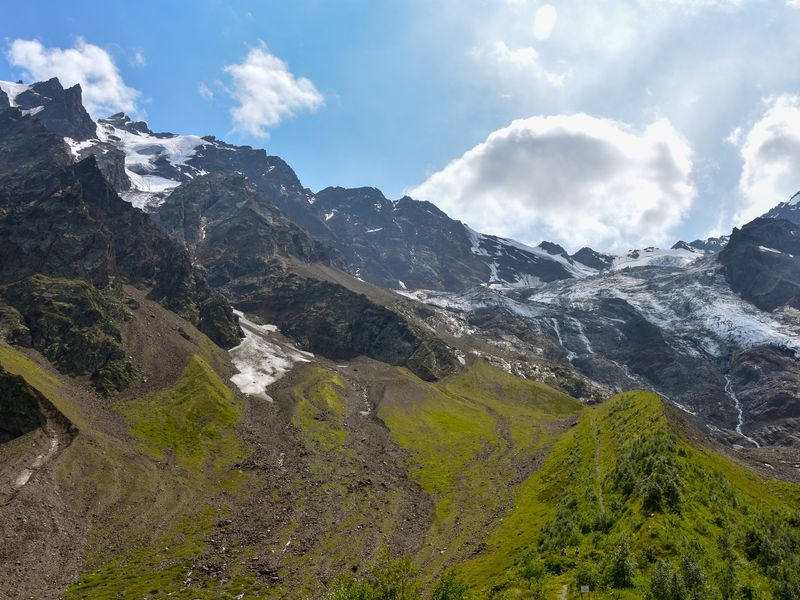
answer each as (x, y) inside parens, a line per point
(74, 325)
(60, 110)
(19, 407)
(66, 222)
(232, 229)
(387, 242)
(593, 259)
(762, 262)
(30, 155)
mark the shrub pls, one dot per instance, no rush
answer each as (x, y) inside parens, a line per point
(388, 579)
(694, 580)
(665, 583)
(620, 567)
(648, 468)
(449, 587)
(586, 574)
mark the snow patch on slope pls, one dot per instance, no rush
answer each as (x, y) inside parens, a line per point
(261, 358)
(13, 90)
(655, 257)
(142, 150)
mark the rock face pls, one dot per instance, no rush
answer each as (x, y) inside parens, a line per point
(73, 324)
(593, 259)
(66, 223)
(60, 110)
(762, 262)
(767, 383)
(19, 407)
(29, 156)
(328, 319)
(388, 242)
(232, 229)
(247, 246)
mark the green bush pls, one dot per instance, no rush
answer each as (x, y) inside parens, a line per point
(648, 468)
(619, 567)
(587, 574)
(449, 587)
(665, 583)
(388, 579)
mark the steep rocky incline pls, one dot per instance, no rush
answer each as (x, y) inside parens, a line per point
(232, 229)
(762, 263)
(398, 243)
(60, 110)
(249, 248)
(389, 243)
(65, 223)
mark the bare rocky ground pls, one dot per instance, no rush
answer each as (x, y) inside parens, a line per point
(308, 515)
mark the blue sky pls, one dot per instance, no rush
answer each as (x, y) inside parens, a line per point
(633, 122)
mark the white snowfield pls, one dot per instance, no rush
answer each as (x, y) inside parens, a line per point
(647, 257)
(655, 257)
(694, 307)
(13, 90)
(694, 304)
(142, 150)
(261, 358)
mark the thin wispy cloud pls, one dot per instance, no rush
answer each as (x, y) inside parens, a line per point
(206, 93)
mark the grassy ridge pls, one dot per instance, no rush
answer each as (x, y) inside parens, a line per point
(669, 510)
(516, 470)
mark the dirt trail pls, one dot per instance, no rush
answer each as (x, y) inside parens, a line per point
(597, 465)
(563, 592)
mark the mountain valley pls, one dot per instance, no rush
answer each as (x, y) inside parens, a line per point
(217, 383)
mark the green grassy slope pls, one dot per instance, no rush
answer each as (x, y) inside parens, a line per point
(474, 439)
(515, 470)
(699, 524)
(190, 429)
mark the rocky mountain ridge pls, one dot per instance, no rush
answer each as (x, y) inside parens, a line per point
(256, 233)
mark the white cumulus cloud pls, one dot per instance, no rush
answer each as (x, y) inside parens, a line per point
(104, 91)
(770, 152)
(267, 92)
(576, 179)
